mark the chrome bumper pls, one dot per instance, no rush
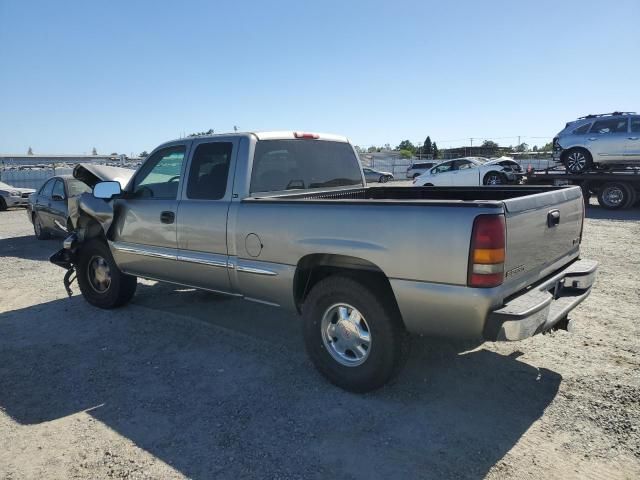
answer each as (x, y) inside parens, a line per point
(541, 307)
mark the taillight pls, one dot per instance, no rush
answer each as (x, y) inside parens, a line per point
(486, 256)
(313, 136)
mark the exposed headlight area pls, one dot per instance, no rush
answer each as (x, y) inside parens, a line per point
(14, 194)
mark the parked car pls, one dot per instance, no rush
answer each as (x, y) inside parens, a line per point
(48, 209)
(379, 176)
(605, 140)
(13, 196)
(471, 171)
(416, 169)
(286, 219)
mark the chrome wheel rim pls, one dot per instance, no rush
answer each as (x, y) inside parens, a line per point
(99, 274)
(494, 180)
(576, 162)
(346, 335)
(613, 196)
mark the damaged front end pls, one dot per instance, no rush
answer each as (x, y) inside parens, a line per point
(90, 216)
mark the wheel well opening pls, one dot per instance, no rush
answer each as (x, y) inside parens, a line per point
(315, 267)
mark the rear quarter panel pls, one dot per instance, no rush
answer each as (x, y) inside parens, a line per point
(420, 243)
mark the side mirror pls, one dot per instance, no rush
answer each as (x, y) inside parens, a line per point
(107, 190)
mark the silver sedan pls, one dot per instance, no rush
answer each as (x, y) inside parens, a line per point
(372, 175)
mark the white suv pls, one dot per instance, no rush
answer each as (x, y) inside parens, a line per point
(599, 141)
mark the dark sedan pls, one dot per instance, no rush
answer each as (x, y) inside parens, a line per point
(48, 207)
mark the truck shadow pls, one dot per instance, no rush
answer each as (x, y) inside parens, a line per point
(598, 213)
(234, 401)
(28, 247)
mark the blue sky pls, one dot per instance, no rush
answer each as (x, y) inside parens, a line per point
(127, 75)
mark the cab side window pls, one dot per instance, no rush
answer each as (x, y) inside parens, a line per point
(635, 124)
(58, 191)
(443, 167)
(609, 125)
(47, 188)
(463, 164)
(209, 171)
(159, 177)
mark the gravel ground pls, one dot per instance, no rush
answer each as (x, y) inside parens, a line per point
(182, 383)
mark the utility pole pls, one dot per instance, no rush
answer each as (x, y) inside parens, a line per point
(518, 139)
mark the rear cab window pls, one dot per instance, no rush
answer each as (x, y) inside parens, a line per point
(293, 164)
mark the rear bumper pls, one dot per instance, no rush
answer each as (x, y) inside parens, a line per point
(457, 311)
(541, 307)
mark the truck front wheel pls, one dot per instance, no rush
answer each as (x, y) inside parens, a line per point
(101, 282)
(353, 336)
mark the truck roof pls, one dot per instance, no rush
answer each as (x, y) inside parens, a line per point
(276, 135)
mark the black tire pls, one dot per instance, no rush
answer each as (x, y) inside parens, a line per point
(614, 195)
(39, 231)
(381, 179)
(389, 344)
(120, 288)
(577, 160)
(3, 205)
(494, 178)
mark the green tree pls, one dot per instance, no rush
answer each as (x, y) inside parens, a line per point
(143, 154)
(406, 145)
(406, 153)
(427, 147)
(372, 149)
(436, 152)
(523, 147)
(490, 144)
(547, 147)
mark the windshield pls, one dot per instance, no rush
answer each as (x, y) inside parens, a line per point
(76, 187)
(300, 164)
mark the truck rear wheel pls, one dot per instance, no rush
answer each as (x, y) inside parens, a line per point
(101, 282)
(614, 195)
(353, 336)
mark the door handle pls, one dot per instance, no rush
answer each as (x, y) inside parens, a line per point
(167, 217)
(632, 138)
(592, 139)
(553, 218)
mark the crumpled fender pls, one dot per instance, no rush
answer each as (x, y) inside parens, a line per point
(98, 209)
(102, 211)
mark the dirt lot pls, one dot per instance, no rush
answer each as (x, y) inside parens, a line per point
(188, 384)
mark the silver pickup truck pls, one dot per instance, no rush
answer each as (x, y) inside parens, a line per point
(286, 219)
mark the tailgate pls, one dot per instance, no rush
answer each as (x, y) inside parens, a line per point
(543, 234)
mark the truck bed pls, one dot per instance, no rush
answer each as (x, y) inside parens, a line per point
(414, 195)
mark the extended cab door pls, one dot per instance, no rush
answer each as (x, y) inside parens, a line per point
(202, 215)
(145, 221)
